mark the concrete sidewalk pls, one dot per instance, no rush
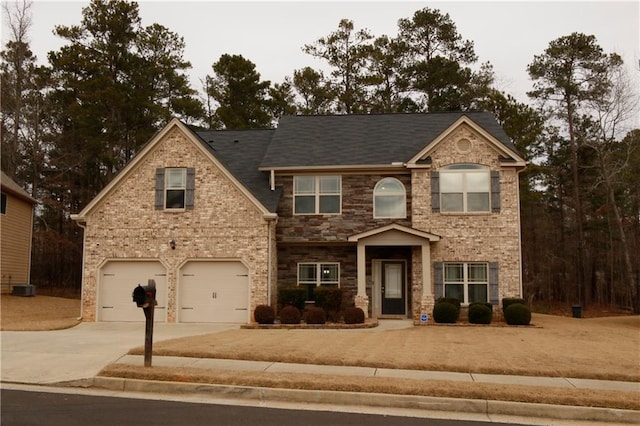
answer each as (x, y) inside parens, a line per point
(333, 370)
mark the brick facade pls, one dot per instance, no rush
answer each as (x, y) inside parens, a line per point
(224, 224)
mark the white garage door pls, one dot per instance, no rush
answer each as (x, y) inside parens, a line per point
(117, 281)
(214, 292)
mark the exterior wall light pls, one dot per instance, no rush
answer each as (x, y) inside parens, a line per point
(172, 244)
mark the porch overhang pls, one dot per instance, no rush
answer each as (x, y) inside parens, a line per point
(393, 235)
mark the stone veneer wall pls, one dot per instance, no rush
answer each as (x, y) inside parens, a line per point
(489, 237)
(224, 224)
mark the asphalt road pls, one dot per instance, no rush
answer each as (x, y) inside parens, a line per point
(21, 407)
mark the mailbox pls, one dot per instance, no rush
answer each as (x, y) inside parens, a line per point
(145, 296)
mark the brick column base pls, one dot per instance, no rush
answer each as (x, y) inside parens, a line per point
(362, 302)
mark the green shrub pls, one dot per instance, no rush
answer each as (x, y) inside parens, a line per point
(445, 313)
(517, 314)
(315, 315)
(453, 300)
(480, 313)
(290, 315)
(353, 315)
(510, 301)
(294, 296)
(264, 314)
(328, 298)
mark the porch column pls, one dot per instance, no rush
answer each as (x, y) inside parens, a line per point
(427, 302)
(361, 299)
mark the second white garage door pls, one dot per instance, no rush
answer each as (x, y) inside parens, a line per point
(214, 292)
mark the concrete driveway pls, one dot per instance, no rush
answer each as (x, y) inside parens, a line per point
(78, 353)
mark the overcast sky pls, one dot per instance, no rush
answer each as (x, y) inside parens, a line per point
(271, 34)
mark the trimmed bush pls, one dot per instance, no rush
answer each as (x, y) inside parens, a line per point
(480, 313)
(294, 296)
(517, 314)
(264, 314)
(453, 300)
(445, 313)
(315, 315)
(328, 298)
(507, 301)
(353, 315)
(290, 315)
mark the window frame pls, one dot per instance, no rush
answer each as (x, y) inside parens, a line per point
(317, 194)
(317, 281)
(465, 170)
(182, 187)
(377, 194)
(466, 281)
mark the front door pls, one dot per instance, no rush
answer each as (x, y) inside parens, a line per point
(394, 299)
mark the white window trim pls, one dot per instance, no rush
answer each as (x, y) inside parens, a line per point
(403, 215)
(479, 169)
(465, 279)
(318, 281)
(167, 189)
(317, 195)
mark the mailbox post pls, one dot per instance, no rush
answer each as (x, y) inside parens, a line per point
(145, 298)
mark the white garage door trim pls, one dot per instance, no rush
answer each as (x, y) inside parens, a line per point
(214, 291)
(118, 278)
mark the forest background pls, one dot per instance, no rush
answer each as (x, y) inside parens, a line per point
(69, 126)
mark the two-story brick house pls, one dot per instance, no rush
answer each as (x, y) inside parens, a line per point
(396, 209)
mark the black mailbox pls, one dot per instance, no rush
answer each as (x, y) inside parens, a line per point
(145, 296)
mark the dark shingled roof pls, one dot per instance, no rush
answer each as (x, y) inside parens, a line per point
(241, 152)
(373, 139)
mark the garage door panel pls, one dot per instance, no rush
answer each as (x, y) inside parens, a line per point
(117, 281)
(214, 292)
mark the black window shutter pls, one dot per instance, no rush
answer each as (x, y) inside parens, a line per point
(159, 189)
(435, 192)
(438, 279)
(495, 191)
(494, 294)
(191, 187)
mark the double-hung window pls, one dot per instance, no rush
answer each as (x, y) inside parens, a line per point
(467, 282)
(465, 188)
(389, 199)
(312, 275)
(317, 194)
(175, 188)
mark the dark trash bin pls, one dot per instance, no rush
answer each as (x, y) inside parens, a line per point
(577, 311)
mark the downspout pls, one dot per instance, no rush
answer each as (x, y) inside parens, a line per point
(84, 248)
(272, 179)
(519, 231)
(269, 265)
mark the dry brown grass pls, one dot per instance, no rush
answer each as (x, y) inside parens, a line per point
(436, 388)
(606, 348)
(596, 348)
(37, 313)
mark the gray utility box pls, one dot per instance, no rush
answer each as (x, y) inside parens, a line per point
(24, 290)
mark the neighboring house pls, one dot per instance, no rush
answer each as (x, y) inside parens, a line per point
(396, 209)
(16, 225)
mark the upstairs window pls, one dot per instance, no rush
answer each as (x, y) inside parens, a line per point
(317, 194)
(465, 188)
(389, 199)
(175, 188)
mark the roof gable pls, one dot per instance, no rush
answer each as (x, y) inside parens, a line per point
(507, 152)
(11, 187)
(192, 137)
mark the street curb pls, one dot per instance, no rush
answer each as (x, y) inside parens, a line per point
(475, 406)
